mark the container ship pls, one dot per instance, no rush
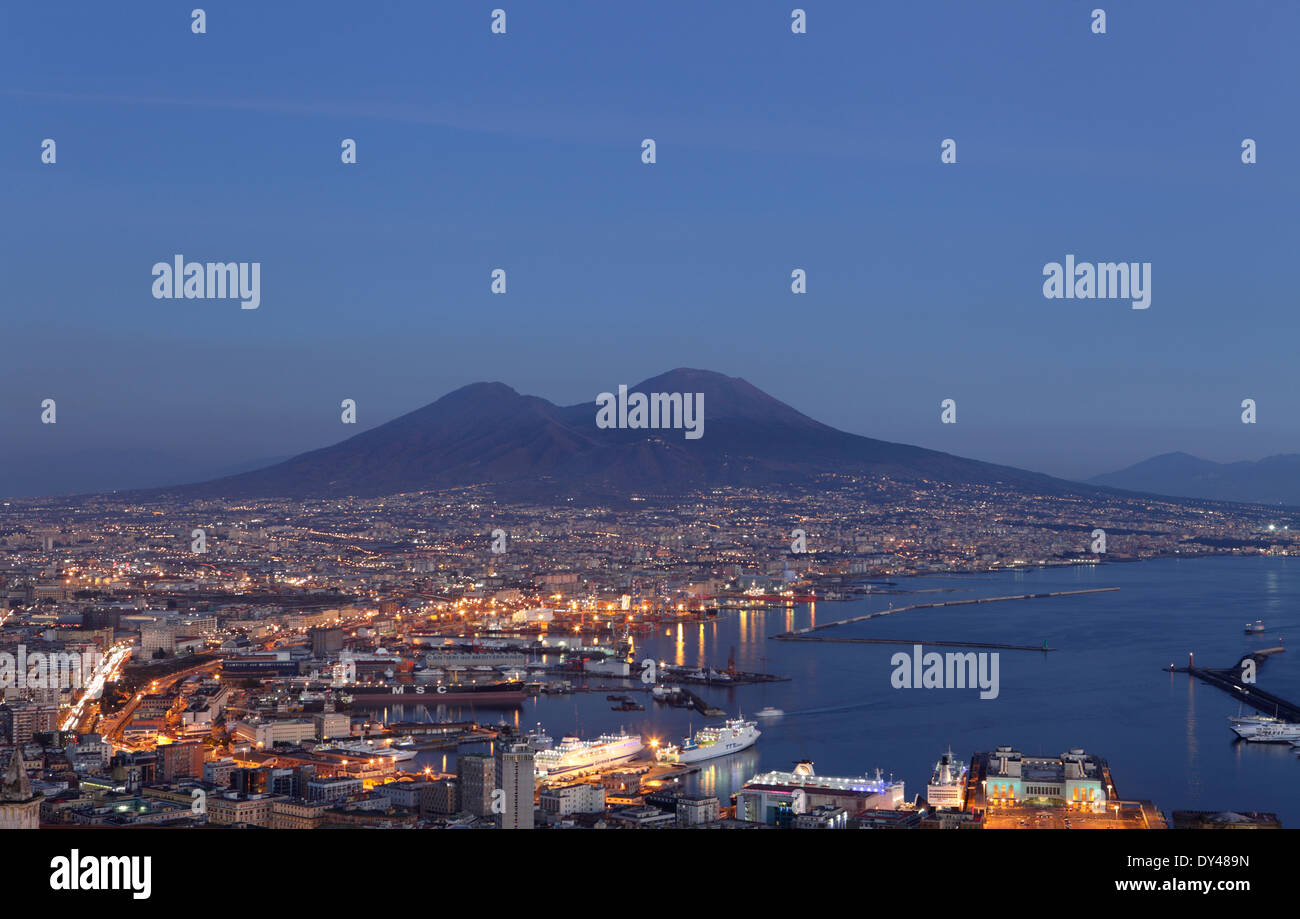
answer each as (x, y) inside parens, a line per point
(709, 742)
(573, 755)
(495, 691)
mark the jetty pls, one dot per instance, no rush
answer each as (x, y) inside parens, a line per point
(919, 641)
(903, 609)
(1229, 679)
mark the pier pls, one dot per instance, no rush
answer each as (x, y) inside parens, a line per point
(902, 609)
(903, 641)
(1229, 680)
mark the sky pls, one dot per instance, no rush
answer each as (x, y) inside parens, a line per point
(522, 151)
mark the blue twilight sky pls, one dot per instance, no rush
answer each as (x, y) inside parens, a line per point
(522, 151)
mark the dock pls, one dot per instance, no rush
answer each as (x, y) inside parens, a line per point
(903, 609)
(1229, 680)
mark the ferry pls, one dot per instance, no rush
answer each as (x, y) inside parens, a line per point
(1264, 729)
(573, 755)
(947, 786)
(732, 737)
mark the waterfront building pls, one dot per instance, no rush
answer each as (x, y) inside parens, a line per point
(1074, 778)
(776, 798)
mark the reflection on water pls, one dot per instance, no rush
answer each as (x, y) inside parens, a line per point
(1103, 690)
(724, 775)
(1193, 760)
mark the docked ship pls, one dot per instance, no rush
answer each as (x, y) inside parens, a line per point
(496, 691)
(573, 755)
(732, 737)
(1264, 729)
(947, 786)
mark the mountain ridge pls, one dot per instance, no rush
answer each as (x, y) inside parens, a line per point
(488, 433)
(1272, 480)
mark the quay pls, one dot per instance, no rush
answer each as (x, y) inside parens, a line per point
(903, 641)
(1229, 680)
(902, 609)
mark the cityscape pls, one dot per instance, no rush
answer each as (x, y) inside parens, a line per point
(675, 416)
(239, 664)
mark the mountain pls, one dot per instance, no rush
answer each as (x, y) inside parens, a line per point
(1272, 480)
(523, 446)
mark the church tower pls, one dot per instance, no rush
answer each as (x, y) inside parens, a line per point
(19, 808)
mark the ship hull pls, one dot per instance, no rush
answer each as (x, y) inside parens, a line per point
(586, 767)
(503, 693)
(713, 751)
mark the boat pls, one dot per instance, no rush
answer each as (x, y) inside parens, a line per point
(1264, 729)
(947, 786)
(735, 735)
(538, 739)
(573, 755)
(1257, 627)
(768, 711)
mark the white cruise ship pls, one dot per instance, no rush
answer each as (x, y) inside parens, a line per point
(1264, 729)
(572, 755)
(708, 742)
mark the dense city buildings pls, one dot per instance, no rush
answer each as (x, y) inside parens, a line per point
(348, 662)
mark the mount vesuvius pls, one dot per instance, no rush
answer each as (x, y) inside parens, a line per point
(487, 434)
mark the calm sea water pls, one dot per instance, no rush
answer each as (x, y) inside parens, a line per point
(1165, 735)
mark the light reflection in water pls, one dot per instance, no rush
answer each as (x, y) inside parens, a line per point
(724, 775)
(1193, 749)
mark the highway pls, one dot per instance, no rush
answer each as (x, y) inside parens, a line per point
(109, 669)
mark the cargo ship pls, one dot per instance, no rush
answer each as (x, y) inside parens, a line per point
(573, 755)
(496, 691)
(709, 742)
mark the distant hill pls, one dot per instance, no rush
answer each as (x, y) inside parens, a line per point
(488, 434)
(1272, 480)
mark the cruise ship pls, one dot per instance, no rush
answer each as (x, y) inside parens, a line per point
(573, 755)
(947, 786)
(1264, 729)
(708, 742)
